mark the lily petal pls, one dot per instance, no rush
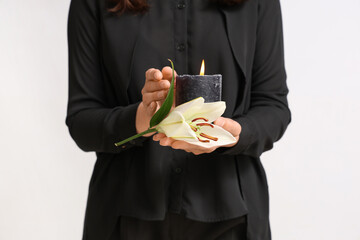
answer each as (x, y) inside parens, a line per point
(175, 126)
(173, 117)
(210, 111)
(187, 109)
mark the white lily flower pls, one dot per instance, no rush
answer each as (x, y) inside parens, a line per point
(192, 122)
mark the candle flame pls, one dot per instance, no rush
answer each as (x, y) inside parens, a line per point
(202, 70)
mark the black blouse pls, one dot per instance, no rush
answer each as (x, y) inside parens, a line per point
(194, 185)
(142, 178)
(203, 187)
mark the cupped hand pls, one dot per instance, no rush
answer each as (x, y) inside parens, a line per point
(226, 123)
(154, 92)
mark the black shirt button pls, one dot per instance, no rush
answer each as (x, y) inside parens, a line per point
(178, 170)
(123, 146)
(181, 5)
(180, 47)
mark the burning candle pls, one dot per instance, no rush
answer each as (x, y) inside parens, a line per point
(189, 87)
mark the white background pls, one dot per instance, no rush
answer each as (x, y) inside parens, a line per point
(313, 171)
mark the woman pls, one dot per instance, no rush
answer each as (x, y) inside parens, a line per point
(155, 187)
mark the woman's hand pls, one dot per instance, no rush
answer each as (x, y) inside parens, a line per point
(154, 92)
(226, 123)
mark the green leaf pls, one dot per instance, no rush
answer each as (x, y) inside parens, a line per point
(166, 106)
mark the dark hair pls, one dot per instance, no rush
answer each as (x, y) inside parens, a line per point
(141, 6)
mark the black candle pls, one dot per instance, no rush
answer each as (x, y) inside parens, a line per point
(189, 87)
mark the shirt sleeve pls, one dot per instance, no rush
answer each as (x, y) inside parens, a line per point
(92, 124)
(268, 116)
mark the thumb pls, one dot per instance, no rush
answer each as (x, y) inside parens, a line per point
(229, 125)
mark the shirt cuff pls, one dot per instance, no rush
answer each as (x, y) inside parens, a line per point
(131, 111)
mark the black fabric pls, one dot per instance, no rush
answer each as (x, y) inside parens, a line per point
(176, 227)
(108, 57)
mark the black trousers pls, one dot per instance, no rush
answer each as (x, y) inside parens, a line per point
(177, 227)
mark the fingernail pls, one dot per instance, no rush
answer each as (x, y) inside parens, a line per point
(160, 94)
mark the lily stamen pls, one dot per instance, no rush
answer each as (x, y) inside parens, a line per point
(208, 137)
(193, 128)
(204, 124)
(195, 119)
(202, 140)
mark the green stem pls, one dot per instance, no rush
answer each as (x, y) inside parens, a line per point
(136, 136)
